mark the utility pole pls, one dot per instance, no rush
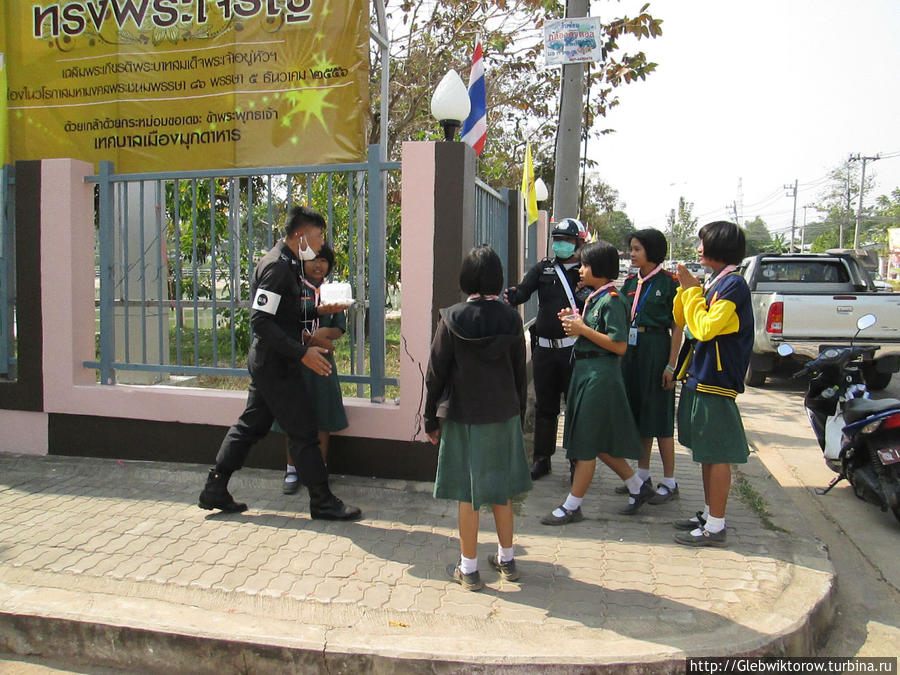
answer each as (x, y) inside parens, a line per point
(846, 214)
(862, 189)
(568, 134)
(792, 193)
(803, 230)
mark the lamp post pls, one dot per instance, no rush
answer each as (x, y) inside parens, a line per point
(450, 103)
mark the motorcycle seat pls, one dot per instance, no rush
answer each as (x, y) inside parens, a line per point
(859, 408)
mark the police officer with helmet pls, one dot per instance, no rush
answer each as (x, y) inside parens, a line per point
(276, 359)
(556, 281)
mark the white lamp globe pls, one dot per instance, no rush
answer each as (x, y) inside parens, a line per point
(450, 100)
(540, 190)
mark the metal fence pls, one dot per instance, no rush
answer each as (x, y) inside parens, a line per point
(492, 219)
(7, 273)
(176, 252)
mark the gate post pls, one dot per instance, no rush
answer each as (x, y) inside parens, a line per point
(377, 238)
(107, 276)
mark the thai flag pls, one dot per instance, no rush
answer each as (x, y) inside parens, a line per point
(474, 131)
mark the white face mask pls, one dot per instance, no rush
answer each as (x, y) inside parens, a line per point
(306, 253)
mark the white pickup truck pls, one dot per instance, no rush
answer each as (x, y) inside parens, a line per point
(811, 300)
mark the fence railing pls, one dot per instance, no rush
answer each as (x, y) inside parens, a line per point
(492, 219)
(7, 273)
(176, 252)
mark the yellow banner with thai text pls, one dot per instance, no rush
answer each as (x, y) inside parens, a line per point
(158, 85)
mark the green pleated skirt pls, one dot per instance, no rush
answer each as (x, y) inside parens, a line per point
(598, 417)
(325, 392)
(711, 427)
(482, 463)
(642, 369)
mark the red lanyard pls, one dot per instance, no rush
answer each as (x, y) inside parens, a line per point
(604, 287)
(637, 293)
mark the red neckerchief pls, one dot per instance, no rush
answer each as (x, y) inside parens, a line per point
(637, 292)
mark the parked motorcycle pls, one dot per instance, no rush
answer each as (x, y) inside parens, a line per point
(859, 436)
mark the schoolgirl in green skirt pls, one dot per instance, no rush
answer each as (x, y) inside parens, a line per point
(648, 366)
(599, 422)
(322, 326)
(476, 396)
(718, 318)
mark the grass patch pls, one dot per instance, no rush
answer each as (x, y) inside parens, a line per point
(202, 354)
(746, 493)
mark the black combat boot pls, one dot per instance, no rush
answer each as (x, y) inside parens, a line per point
(325, 506)
(215, 494)
(544, 445)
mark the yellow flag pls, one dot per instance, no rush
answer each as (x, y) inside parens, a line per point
(531, 207)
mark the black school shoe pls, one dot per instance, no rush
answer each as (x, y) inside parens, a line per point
(705, 538)
(471, 582)
(575, 516)
(646, 494)
(623, 489)
(689, 524)
(659, 498)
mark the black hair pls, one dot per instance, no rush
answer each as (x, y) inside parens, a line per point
(603, 259)
(300, 216)
(654, 243)
(723, 241)
(327, 254)
(481, 272)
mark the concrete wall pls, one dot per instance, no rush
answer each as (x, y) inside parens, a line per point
(69, 413)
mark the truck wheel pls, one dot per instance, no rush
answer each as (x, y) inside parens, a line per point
(755, 378)
(875, 381)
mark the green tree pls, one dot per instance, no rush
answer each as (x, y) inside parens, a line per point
(758, 237)
(522, 96)
(682, 231)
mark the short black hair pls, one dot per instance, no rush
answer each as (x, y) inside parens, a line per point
(654, 243)
(481, 272)
(723, 241)
(603, 259)
(327, 254)
(300, 216)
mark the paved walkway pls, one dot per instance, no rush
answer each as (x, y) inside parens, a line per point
(112, 562)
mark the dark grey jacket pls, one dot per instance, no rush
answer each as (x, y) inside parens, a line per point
(476, 372)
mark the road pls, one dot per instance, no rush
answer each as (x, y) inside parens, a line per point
(862, 540)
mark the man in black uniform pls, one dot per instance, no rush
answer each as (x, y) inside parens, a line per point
(276, 356)
(556, 282)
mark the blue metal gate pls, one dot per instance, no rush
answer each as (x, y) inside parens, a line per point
(176, 252)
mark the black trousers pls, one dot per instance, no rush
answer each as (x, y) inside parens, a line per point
(552, 373)
(276, 393)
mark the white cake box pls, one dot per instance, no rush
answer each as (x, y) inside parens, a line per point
(339, 293)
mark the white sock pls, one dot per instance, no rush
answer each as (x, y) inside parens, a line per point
(669, 483)
(706, 512)
(634, 486)
(714, 525)
(643, 473)
(291, 474)
(468, 565)
(505, 554)
(572, 502)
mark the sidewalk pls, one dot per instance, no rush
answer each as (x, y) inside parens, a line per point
(112, 563)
